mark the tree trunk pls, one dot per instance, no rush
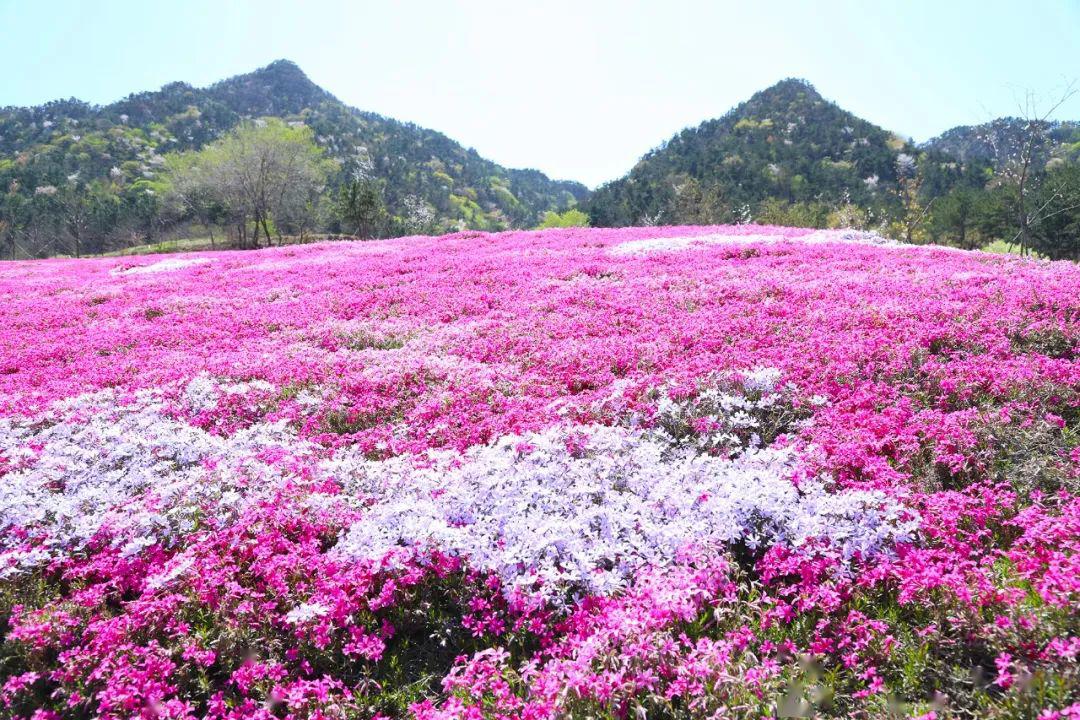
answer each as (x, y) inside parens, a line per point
(266, 231)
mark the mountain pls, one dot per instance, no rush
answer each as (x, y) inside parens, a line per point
(423, 171)
(1000, 141)
(785, 143)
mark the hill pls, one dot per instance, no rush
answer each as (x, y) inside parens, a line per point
(1001, 141)
(424, 173)
(789, 157)
(785, 142)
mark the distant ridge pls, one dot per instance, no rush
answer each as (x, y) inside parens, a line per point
(998, 141)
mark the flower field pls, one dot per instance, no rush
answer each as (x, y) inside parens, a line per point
(729, 472)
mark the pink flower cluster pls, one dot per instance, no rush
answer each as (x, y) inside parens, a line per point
(883, 443)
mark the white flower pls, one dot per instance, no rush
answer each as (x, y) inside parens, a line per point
(305, 613)
(762, 380)
(905, 165)
(586, 521)
(163, 266)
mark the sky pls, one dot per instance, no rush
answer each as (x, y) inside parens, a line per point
(579, 90)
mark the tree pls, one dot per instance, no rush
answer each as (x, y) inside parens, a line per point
(1056, 227)
(995, 219)
(910, 223)
(142, 205)
(265, 173)
(954, 216)
(76, 213)
(697, 205)
(14, 217)
(798, 214)
(362, 208)
(267, 166)
(191, 188)
(571, 218)
(1021, 173)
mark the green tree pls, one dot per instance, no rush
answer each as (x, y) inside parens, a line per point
(570, 218)
(362, 208)
(1056, 221)
(191, 190)
(262, 174)
(798, 214)
(953, 217)
(996, 216)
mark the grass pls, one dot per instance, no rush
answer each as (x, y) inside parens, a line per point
(1005, 248)
(199, 244)
(169, 246)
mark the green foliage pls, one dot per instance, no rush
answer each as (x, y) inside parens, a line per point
(774, 211)
(569, 218)
(263, 175)
(362, 208)
(953, 218)
(1057, 222)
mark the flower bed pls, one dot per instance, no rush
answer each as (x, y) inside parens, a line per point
(647, 472)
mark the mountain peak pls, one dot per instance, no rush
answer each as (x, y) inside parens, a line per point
(785, 142)
(788, 90)
(793, 84)
(276, 89)
(282, 69)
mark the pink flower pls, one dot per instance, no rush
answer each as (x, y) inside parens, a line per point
(1004, 678)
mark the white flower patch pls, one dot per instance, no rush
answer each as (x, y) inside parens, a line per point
(762, 380)
(667, 244)
(857, 237)
(204, 392)
(162, 266)
(726, 416)
(662, 244)
(564, 511)
(94, 463)
(583, 508)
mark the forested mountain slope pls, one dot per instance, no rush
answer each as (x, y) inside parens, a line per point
(117, 152)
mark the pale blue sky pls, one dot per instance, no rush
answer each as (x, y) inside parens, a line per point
(580, 89)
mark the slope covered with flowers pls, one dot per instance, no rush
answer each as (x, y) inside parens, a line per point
(647, 472)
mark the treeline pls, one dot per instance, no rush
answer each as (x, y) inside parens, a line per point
(260, 182)
(976, 211)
